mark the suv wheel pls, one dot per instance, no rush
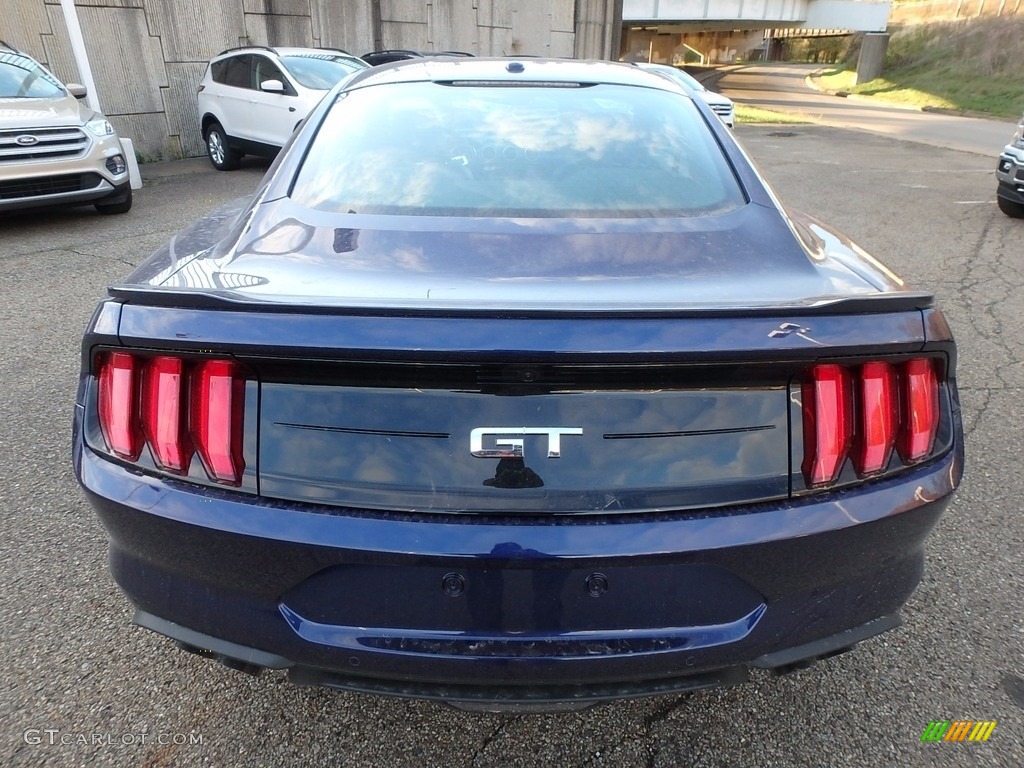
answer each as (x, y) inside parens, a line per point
(1010, 208)
(223, 157)
(122, 206)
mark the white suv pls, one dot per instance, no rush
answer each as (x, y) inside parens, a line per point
(54, 150)
(1010, 173)
(251, 99)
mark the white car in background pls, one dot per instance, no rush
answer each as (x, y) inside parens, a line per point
(252, 98)
(720, 105)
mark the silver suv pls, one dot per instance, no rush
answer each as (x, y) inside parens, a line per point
(251, 99)
(1010, 173)
(54, 150)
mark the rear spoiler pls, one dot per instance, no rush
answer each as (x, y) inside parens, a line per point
(183, 298)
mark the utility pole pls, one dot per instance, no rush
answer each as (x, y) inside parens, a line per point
(78, 49)
(92, 97)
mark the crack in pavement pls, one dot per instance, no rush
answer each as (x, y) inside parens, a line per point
(658, 716)
(493, 735)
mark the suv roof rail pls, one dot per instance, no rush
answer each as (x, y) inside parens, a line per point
(248, 48)
(415, 54)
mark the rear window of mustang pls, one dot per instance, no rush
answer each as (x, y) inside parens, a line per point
(496, 150)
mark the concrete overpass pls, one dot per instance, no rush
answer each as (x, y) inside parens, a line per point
(721, 15)
(724, 31)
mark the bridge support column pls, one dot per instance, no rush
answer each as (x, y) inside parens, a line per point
(872, 56)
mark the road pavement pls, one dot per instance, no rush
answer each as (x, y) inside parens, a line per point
(783, 87)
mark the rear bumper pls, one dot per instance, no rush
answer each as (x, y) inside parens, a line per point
(513, 696)
(475, 609)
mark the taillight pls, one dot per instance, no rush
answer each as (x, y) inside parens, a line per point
(879, 418)
(217, 395)
(865, 412)
(118, 375)
(163, 414)
(828, 427)
(178, 409)
(919, 398)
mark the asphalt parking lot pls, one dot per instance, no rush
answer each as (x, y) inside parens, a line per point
(82, 686)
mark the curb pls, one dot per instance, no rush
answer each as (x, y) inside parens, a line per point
(811, 81)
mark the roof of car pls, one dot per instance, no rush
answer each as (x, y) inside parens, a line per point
(285, 51)
(314, 52)
(509, 69)
(673, 72)
(397, 51)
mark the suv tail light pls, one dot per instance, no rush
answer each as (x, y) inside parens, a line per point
(865, 412)
(177, 408)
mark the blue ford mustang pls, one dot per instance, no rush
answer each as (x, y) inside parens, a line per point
(514, 386)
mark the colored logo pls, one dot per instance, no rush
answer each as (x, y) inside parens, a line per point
(958, 730)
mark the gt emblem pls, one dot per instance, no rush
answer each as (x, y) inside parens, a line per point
(508, 442)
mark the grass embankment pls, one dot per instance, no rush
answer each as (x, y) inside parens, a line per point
(972, 65)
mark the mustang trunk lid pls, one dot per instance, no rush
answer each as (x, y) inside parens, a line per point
(749, 258)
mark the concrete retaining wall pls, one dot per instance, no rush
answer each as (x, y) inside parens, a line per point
(148, 56)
